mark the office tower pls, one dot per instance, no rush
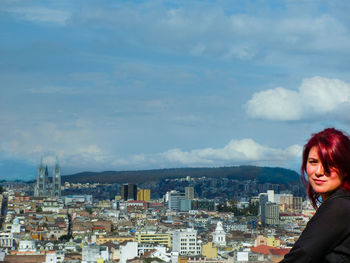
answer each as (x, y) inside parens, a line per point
(263, 199)
(174, 198)
(144, 195)
(189, 192)
(129, 192)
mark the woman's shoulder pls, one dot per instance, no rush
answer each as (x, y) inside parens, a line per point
(338, 202)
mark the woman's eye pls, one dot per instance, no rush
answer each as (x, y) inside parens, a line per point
(313, 161)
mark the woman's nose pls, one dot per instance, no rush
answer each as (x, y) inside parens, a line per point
(320, 171)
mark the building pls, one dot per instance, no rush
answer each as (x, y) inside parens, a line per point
(209, 251)
(6, 240)
(94, 253)
(203, 204)
(185, 242)
(153, 237)
(219, 235)
(272, 214)
(297, 203)
(144, 195)
(189, 192)
(129, 192)
(185, 205)
(128, 251)
(48, 186)
(174, 199)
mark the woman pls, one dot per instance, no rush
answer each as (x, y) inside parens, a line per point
(326, 162)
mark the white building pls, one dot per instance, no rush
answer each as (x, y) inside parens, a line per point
(6, 240)
(185, 242)
(169, 257)
(27, 246)
(16, 226)
(128, 251)
(219, 235)
(91, 254)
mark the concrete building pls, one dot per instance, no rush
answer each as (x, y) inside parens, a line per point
(272, 214)
(185, 242)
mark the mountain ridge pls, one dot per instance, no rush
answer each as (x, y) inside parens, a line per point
(244, 172)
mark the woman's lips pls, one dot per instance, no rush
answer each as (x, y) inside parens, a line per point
(318, 181)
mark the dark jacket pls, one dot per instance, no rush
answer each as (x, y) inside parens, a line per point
(326, 238)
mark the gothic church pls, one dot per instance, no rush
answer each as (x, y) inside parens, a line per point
(48, 186)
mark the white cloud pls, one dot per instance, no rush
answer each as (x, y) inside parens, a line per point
(41, 14)
(235, 152)
(315, 96)
(245, 151)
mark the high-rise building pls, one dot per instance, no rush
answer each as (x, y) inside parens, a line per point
(129, 192)
(144, 195)
(272, 214)
(297, 203)
(174, 198)
(189, 192)
(48, 186)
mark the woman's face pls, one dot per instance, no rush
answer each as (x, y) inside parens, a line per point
(322, 183)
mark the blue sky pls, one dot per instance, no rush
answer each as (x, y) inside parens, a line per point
(126, 85)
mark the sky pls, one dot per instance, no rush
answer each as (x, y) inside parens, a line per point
(130, 85)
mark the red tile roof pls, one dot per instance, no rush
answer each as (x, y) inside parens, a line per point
(262, 249)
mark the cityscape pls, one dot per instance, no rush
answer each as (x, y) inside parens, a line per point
(172, 131)
(47, 220)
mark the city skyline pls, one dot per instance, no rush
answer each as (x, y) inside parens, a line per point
(166, 84)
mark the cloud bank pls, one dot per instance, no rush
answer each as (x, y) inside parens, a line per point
(315, 97)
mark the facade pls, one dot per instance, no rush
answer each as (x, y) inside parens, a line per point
(48, 186)
(153, 237)
(129, 192)
(272, 214)
(185, 242)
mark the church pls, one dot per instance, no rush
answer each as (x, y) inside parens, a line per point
(48, 186)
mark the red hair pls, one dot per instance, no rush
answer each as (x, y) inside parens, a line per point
(333, 147)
